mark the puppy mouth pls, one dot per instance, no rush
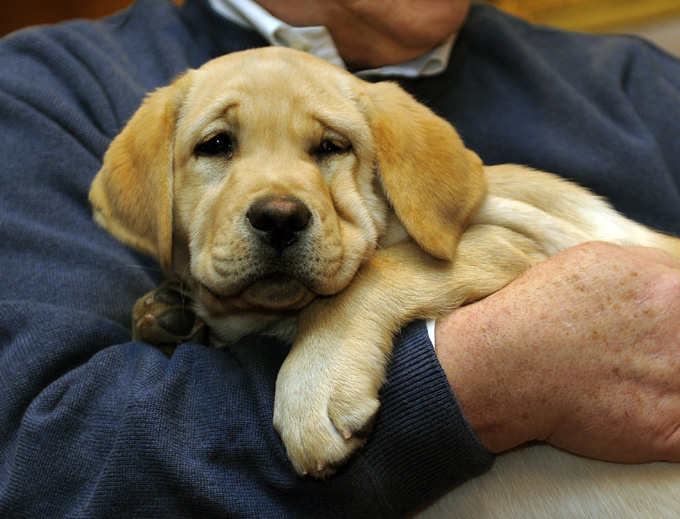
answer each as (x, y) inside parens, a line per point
(274, 293)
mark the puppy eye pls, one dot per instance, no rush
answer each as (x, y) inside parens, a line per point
(328, 147)
(218, 144)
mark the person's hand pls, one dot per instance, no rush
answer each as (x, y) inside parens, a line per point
(582, 351)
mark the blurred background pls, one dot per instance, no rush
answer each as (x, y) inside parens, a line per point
(17, 14)
(657, 20)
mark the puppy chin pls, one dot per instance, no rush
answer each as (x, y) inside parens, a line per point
(270, 295)
(277, 292)
(269, 306)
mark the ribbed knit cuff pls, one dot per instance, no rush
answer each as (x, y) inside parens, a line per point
(430, 446)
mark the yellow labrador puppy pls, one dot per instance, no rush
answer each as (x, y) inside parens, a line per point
(267, 181)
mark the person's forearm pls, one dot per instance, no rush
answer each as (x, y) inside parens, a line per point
(581, 351)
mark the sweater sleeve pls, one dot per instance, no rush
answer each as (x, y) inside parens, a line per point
(598, 110)
(93, 425)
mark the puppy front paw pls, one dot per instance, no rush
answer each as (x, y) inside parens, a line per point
(165, 318)
(324, 415)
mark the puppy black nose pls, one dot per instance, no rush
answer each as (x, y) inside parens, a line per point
(279, 220)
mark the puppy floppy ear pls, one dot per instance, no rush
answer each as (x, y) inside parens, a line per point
(131, 195)
(434, 183)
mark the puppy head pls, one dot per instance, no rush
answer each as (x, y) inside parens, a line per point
(254, 179)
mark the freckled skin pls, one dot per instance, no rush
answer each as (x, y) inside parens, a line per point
(621, 400)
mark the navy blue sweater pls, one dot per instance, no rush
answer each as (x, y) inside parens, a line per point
(92, 425)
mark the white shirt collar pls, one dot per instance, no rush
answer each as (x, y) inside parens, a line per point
(318, 40)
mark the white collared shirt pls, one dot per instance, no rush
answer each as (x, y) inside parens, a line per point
(318, 40)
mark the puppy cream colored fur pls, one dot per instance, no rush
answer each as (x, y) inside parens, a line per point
(268, 180)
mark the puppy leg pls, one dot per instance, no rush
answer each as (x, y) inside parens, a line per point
(327, 389)
(165, 318)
